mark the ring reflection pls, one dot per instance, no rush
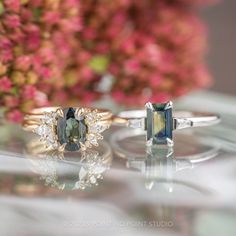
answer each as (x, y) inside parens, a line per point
(159, 164)
(70, 170)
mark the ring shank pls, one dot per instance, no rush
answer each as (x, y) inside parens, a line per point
(41, 111)
(33, 118)
(181, 119)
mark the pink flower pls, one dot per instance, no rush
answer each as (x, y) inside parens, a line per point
(89, 33)
(6, 56)
(155, 80)
(160, 97)
(60, 97)
(41, 99)
(47, 53)
(5, 84)
(11, 101)
(102, 48)
(70, 3)
(72, 24)
(83, 56)
(12, 21)
(45, 73)
(28, 92)
(128, 46)
(36, 3)
(12, 5)
(14, 116)
(33, 37)
(23, 63)
(118, 96)
(5, 43)
(6, 50)
(52, 17)
(132, 66)
(155, 51)
(86, 73)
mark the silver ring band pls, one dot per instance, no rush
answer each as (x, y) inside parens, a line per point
(181, 119)
(159, 121)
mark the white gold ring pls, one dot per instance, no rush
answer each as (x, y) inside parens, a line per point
(159, 121)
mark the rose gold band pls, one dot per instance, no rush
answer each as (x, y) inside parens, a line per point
(33, 118)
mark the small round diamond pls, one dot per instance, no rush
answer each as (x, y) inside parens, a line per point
(71, 128)
(43, 130)
(98, 128)
(92, 139)
(49, 118)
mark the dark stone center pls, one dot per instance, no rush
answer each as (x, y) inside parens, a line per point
(71, 130)
(159, 123)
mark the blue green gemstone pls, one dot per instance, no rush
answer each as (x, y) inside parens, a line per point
(159, 123)
(71, 130)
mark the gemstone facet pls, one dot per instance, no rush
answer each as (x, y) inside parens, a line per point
(71, 130)
(159, 123)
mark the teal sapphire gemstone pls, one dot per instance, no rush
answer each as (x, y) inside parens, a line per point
(159, 123)
(71, 130)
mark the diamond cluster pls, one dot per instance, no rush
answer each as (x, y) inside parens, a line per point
(95, 128)
(46, 129)
(71, 129)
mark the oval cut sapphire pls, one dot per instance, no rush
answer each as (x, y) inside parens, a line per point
(71, 130)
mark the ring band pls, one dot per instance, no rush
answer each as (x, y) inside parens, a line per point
(159, 123)
(72, 129)
(69, 129)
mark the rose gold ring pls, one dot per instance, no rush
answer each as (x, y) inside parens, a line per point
(69, 129)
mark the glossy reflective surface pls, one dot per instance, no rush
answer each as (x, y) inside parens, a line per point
(188, 190)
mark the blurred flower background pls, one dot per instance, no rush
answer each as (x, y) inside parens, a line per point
(59, 52)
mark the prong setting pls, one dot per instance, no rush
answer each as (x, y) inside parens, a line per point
(170, 142)
(48, 128)
(149, 142)
(169, 105)
(79, 112)
(159, 123)
(149, 105)
(59, 112)
(61, 148)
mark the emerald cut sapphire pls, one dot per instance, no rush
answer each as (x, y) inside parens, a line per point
(71, 130)
(159, 123)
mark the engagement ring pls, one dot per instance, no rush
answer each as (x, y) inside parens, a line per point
(69, 129)
(159, 121)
